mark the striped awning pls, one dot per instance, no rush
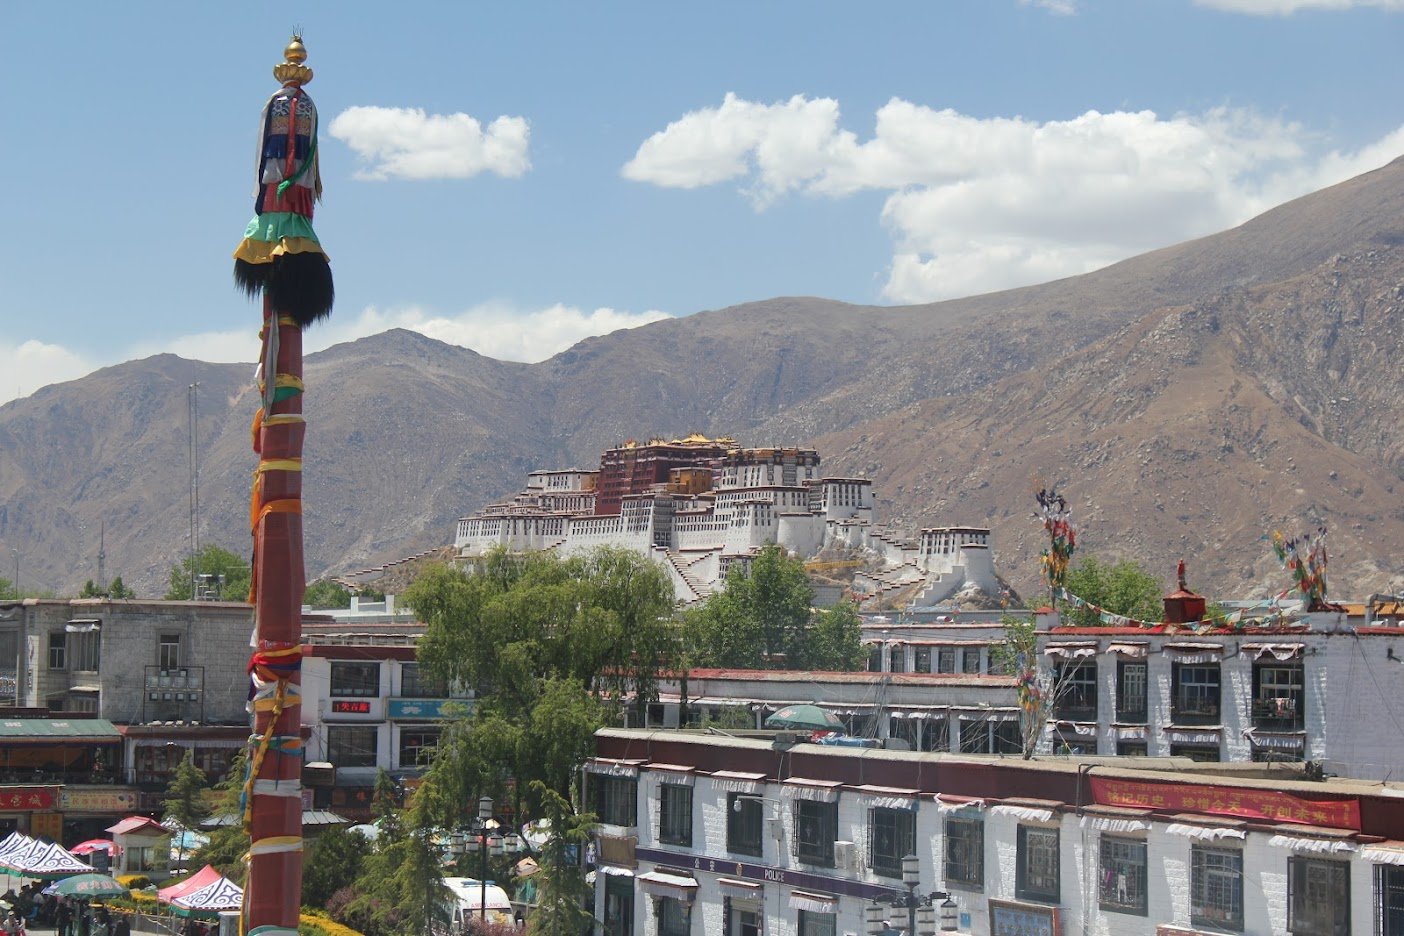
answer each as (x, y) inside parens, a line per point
(662, 884)
(821, 791)
(812, 902)
(732, 781)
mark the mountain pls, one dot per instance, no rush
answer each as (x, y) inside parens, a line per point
(1188, 401)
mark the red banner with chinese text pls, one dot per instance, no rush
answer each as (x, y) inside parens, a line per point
(26, 799)
(1271, 805)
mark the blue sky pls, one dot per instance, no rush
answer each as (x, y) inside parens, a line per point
(514, 177)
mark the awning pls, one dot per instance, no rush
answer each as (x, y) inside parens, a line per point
(1128, 732)
(1390, 853)
(932, 711)
(1207, 833)
(1278, 651)
(662, 884)
(812, 902)
(1208, 734)
(675, 774)
(881, 797)
(1067, 651)
(1024, 813)
(613, 768)
(1189, 653)
(732, 781)
(1276, 742)
(945, 802)
(735, 887)
(1316, 845)
(616, 871)
(83, 625)
(51, 730)
(1085, 729)
(820, 791)
(1115, 824)
(1133, 650)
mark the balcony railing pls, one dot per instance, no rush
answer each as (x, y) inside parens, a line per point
(1195, 712)
(1131, 710)
(1278, 714)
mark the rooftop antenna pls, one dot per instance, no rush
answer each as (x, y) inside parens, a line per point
(193, 461)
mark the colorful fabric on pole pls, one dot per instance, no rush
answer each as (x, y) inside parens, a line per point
(1305, 558)
(1062, 537)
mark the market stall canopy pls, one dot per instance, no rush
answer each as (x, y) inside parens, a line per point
(48, 860)
(95, 845)
(220, 894)
(52, 731)
(139, 826)
(200, 879)
(806, 717)
(87, 885)
(13, 844)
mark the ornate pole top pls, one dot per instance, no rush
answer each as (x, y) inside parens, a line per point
(292, 71)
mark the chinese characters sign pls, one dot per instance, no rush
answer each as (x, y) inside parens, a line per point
(26, 799)
(1227, 801)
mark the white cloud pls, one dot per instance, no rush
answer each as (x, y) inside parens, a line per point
(407, 143)
(497, 330)
(1058, 7)
(1288, 7)
(978, 204)
(34, 364)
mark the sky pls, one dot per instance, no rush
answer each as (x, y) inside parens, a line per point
(514, 177)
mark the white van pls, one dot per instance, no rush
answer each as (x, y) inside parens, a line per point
(470, 897)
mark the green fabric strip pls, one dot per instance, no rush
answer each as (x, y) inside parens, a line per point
(275, 225)
(284, 393)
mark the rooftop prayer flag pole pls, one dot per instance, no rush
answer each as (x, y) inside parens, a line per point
(280, 260)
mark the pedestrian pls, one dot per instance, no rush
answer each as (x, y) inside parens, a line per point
(12, 925)
(63, 917)
(85, 920)
(121, 927)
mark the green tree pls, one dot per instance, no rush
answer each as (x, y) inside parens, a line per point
(333, 862)
(324, 593)
(228, 842)
(90, 590)
(232, 571)
(834, 641)
(562, 893)
(400, 888)
(1124, 587)
(7, 589)
(117, 589)
(186, 799)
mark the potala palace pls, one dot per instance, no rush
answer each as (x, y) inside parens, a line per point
(697, 505)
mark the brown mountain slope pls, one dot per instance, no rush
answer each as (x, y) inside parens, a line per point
(406, 433)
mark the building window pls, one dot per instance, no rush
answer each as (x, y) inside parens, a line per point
(355, 679)
(945, 660)
(1216, 887)
(1202, 753)
(84, 651)
(1037, 877)
(1278, 697)
(417, 746)
(812, 923)
(1318, 897)
(675, 814)
(897, 659)
(1131, 691)
(614, 799)
(1122, 884)
(81, 702)
(1005, 736)
(970, 660)
(875, 658)
(58, 644)
(922, 664)
(1389, 900)
(816, 828)
(981, 736)
(743, 824)
(619, 905)
(921, 734)
(740, 922)
(352, 745)
(168, 652)
(417, 683)
(891, 837)
(1131, 748)
(965, 853)
(1075, 691)
(674, 917)
(1194, 693)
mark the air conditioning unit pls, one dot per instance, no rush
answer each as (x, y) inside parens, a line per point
(776, 827)
(845, 855)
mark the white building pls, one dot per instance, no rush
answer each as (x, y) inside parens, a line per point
(707, 834)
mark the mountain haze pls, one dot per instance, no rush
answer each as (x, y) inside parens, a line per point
(1188, 401)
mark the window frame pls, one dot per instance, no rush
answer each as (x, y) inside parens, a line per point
(1123, 854)
(345, 686)
(1387, 900)
(891, 837)
(417, 683)
(668, 925)
(816, 830)
(970, 661)
(423, 752)
(1126, 680)
(1200, 713)
(1026, 856)
(58, 649)
(1287, 684)
(614, 798)
(168, 652)
(339, 740)
(1304, 894)
(964, 852)
(1075, 687)
(675, 814)
(739, 821)
(1226, 876)
(814, 923)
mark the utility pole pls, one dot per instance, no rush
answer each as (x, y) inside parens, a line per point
(102, 556)
(192, 406)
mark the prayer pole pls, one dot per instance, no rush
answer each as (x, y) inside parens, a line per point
(281, 260)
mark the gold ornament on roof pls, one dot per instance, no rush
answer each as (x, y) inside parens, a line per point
(292, 71)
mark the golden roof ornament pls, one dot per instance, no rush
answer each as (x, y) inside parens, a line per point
(292, 71)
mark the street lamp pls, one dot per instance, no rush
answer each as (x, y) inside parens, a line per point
(922, 909)
(490, 841)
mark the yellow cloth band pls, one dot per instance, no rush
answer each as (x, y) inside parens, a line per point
(279, 464)
(258, 251)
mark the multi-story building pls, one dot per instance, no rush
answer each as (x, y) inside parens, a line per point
(702, 833)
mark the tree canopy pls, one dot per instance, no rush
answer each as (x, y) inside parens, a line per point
(114, 589)
(233, 574)
(1124, 587)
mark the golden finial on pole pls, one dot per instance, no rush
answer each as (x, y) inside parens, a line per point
(292, 71)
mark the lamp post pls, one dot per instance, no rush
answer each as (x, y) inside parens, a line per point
(490, 842)
(922, 909)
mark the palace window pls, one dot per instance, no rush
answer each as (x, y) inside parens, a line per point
(817, 924)
(922, 663)
(1122, 883)
(58, 644)
(970, 660)
(619, 905)
(945, 660)
(816, 828)
(1318, 897)
(891, 837)
(1131, 691)
(675, 814)
(965, 853)
(744, 820)
(674, 917)
(922, 734)
(355, 679)
(352, 745)
(614, 799)
(1216, 887)
(1278, 696)
(1194, 693)
(1075, 690)
(897, 658)
(1389, 900)
(1037, 877)
(168, 652)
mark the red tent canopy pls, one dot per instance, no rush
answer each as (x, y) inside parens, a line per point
(200, 879)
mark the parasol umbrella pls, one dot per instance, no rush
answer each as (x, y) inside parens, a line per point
(95, 845)
(89, 885)
(805, 717)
